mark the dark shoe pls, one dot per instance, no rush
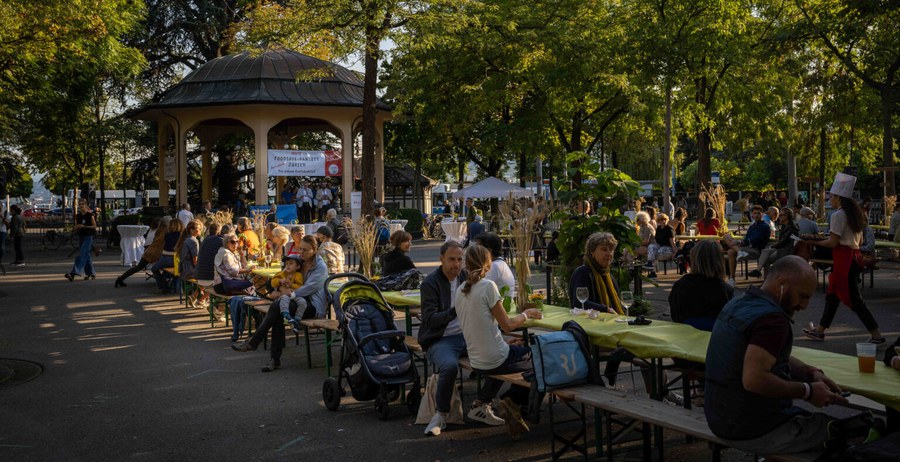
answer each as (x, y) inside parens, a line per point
(243, 347)
(755, 274)
(70, 276)
(120, 283)
(272, 365)
(812, 333)
(90, 277)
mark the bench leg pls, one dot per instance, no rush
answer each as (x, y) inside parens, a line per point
(568, 443)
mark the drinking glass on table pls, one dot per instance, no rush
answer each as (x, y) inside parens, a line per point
(581, 293)
(268, 259)
(627, 299)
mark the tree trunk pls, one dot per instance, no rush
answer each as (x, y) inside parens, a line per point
(667, 155)
(703, 141)
(887, 141)
(523, 159)
(575, 143)
(368, 120)
(823, 136)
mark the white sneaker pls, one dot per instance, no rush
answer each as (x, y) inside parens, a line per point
(731, 282)
(485, 414)
(436, 425)
(742, 255)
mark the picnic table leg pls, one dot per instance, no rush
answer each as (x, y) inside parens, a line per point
(408, 320)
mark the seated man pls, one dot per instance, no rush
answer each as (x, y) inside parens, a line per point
(440, 334)
(751, 377)
(756, 239)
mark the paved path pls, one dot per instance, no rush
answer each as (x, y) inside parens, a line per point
(131, 375)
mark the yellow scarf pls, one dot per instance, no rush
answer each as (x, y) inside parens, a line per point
(603, 285)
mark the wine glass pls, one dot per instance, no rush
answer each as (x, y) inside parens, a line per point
(627, 299)
(581, 293)
(268, 259)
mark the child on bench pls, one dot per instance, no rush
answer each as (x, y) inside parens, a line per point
(284, 284)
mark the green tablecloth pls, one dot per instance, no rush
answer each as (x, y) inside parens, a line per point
(663, 339)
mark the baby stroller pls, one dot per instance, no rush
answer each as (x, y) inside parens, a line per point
(375, 361)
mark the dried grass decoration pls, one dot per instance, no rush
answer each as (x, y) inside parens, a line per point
(363, 237)
(258, 222)
(223, 217)
(716, 199)
(525, 223)
(890, 202)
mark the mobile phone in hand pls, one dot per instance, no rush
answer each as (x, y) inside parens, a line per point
(844, 394)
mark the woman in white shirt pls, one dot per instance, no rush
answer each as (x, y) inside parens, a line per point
(500, 272)
(481, 316)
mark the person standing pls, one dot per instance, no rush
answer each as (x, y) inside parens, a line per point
(17, 230)
(304, 203)
(324, 199)
(475, 229)
(471, 211)
(86, 227)
(185, 215)
(4, 227)
(440, 333)
(844, 238)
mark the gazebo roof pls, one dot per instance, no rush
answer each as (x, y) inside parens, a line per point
(403, 176)
(267, 78)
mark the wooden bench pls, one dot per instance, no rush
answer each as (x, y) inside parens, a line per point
(325, 325)
(215, 299)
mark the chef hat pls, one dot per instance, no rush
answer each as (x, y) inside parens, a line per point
(843, 185)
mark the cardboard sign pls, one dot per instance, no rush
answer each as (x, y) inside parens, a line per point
(284, 162)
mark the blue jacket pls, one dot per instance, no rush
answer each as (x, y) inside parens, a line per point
(757, 235)
(314, 287)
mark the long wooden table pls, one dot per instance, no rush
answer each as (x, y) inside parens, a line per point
(664, 339)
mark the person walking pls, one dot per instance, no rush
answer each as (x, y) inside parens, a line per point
(17, 230)
(845, 236)
(4, 227)
(86, 227)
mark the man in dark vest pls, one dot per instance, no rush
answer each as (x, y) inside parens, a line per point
(751, 377)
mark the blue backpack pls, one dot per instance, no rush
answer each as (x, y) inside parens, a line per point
(562, 359)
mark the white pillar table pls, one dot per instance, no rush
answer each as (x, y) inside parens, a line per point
(132, 243)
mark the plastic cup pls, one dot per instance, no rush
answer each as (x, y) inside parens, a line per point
(865, 354)
(692, 233)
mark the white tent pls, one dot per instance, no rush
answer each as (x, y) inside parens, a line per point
(492, 187)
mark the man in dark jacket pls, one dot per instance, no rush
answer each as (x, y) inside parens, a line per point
(440, 334)
(751, 377)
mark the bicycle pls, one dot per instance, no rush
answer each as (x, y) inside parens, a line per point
(433, 228)
(52, 239)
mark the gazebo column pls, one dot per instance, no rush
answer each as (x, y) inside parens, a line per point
(162, 141)
(181, 169)
(261, 176)
(346, 165)
(379, 163)
(205, 170)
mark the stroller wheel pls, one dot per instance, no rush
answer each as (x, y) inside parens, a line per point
(331, 393)
(382, 407)
(392, 394)
(413, 398)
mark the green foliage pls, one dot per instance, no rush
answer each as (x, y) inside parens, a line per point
(640, 307)
(414, 222)
(613, 190)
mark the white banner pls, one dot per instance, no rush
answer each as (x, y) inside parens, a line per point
(284, 162)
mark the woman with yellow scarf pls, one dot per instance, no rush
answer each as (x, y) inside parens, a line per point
(603, 292)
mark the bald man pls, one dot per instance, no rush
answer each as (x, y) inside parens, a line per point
(752, 378)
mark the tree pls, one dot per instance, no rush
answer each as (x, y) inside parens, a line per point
(863, 37)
